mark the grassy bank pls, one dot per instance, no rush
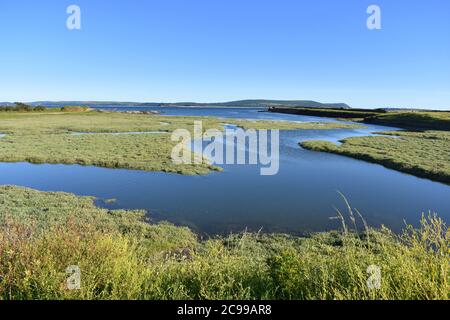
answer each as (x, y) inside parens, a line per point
(47, 138)
(423, 154)
(286, 125)
(107, 122)
(328, 112)
(20, 107)
(413, 120)
(423, 150)
(120, 256)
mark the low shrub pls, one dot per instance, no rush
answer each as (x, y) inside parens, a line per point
(74, 109)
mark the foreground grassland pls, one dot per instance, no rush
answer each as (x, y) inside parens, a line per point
(121, 256)
(423, 154)
(48, 138)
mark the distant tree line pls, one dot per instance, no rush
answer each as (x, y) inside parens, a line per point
(21, 107)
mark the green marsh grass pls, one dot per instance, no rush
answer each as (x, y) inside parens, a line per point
(414, 120)
(423, 154)
(47, 138)
(121, 256)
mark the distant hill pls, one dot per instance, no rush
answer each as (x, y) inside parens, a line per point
(7, 104)
(257, 103)
(269, 103)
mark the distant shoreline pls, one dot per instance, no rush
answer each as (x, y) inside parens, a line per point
(168, 106)
(248, 103)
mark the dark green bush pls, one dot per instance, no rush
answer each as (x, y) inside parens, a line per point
(74, 109)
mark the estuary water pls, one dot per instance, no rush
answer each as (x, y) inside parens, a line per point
(301, 198)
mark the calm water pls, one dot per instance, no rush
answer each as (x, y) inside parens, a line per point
(300, 198)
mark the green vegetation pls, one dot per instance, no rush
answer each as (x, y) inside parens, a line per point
(21, 107)
(139, 152)
(48, 138)
(424, 154)
(285, 125)
(328, 112)
(417, 120)
(421, 153)
(121, 256)
(74, 109)
(20, 124)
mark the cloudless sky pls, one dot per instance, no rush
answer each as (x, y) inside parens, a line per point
(220, 50)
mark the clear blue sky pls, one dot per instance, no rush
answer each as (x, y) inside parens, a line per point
(218, 50)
